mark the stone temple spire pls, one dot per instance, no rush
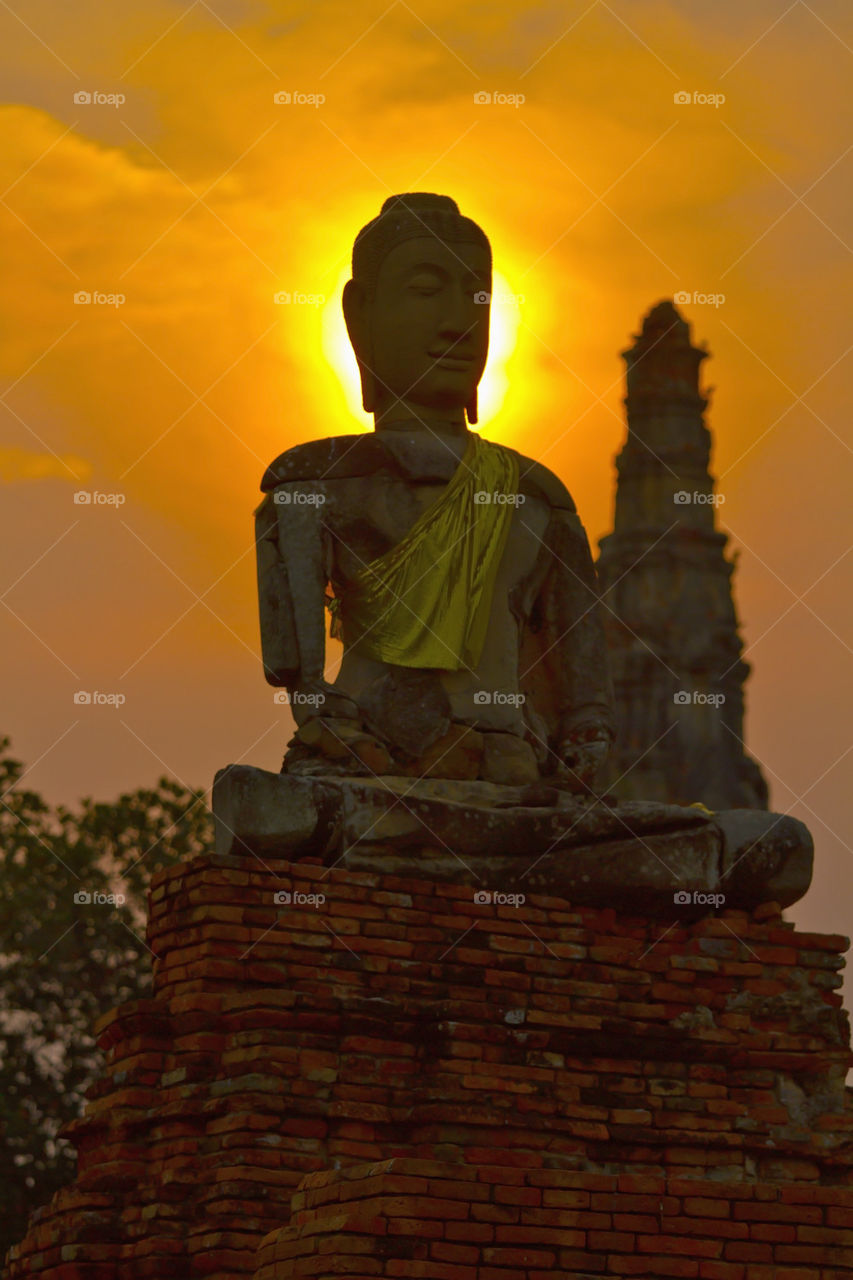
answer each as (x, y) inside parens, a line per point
(671, 625)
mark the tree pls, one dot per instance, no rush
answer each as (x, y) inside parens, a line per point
(65, 961)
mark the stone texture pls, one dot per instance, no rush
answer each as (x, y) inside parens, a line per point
(279, 812)
(632, 855)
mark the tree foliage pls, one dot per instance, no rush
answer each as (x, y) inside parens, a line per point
(64, 961)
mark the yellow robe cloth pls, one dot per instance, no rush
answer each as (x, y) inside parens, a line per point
(426, 602)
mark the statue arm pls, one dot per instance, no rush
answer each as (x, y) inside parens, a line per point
(564, 657)
(292, 560)
(279, 644)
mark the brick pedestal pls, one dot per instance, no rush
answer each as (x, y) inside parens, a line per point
(403, 1081)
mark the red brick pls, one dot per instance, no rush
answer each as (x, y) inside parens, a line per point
(772, 1231)
(445, 1252)
(704, 1207)
(824, 1235)
(474, 1232)
(840, 1217)
(642, 1204)
(503, 1257)
(777, 1213)
(741, 1251)
(816, 1255)
(703, 1226)
(566, 1199)
(572, 1260)
(518, 1195)
(433, 1270)
(679, 1245)
(416, 1228)
(620, 1264)
(642, 1183)
(621, 1240)
(528, 1234)
(816, 1195)
(634, 1222)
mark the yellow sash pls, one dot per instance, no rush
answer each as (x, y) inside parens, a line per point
(426, 602)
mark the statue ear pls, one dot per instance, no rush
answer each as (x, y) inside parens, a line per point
(355, 306)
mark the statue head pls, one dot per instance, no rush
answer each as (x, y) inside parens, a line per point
(417, 309)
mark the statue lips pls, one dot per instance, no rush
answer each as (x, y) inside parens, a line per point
(446, 360)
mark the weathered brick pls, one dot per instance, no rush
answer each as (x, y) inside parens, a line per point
(305, 1065)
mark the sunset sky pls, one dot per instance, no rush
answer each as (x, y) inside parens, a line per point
(186, 189)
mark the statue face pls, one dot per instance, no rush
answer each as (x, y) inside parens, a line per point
(429, 337)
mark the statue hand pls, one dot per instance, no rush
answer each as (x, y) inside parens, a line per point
(583, 759)
(315, 698)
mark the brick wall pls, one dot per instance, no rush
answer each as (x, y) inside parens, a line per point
(577, 1091)
(408, 1217)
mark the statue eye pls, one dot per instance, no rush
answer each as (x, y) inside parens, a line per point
(425, 283)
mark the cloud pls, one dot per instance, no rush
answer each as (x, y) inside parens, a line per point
(27, 464)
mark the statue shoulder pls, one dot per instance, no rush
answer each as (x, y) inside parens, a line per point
(537, 481)
(332, 458)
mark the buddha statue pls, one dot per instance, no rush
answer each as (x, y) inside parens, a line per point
(456, 572)
(461, 734)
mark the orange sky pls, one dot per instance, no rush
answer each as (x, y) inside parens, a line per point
(199, 197)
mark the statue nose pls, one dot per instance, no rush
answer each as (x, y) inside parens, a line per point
(459, 313)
